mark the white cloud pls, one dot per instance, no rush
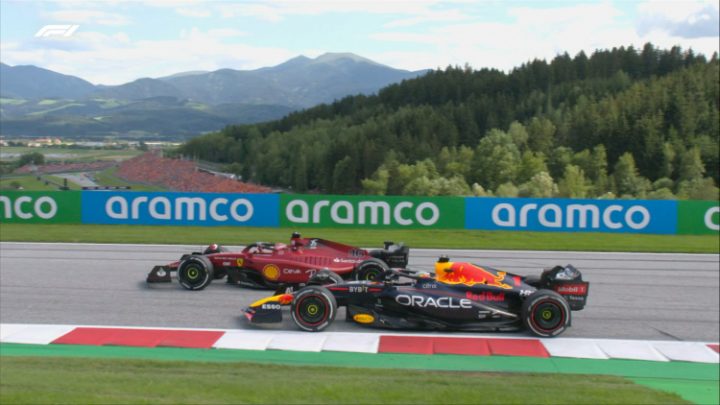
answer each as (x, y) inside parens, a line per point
(682, 19)
(193, 12)
(416, 35)
(428, 16)
(80, 16)
(539, 33)
(117, 59)
(675, 10)
(279, 10)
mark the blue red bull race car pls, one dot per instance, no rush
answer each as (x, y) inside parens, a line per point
(459, 296)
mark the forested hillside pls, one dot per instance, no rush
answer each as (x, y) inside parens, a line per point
(621, 122)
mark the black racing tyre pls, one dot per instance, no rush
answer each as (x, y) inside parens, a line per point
(545, 313)
(325, 277)
(313, 308)
(195, 273)
(371, 269)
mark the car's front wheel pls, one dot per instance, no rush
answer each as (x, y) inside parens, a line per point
(195, 273)
(313, 308)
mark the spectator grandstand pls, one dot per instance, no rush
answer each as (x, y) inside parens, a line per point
(180, 175)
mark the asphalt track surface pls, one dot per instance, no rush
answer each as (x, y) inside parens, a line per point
(632, 295)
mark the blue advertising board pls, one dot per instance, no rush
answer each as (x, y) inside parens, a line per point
(564, 215)
(198, 209)
(270, 210)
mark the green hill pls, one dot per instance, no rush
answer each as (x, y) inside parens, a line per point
(620, 122)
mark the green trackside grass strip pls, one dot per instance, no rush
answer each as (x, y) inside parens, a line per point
(693, 381)
(699, 392)
(461, 239)
(57, 373)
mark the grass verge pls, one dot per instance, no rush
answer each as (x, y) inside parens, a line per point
(69, 154)
(83, 380)
(108, 177)
(459, 239)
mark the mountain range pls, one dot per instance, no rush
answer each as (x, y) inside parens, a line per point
(41, 102)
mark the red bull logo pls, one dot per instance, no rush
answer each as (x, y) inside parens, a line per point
(487, 296)
(469, 275)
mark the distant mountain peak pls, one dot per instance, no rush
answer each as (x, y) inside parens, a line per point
(331, 57)
(299, 58)
(299, 82)
(183, 74)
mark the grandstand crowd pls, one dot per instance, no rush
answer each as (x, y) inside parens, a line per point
(180, 175)
(152, 169)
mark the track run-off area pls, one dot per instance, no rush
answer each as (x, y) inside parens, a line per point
(669, 297)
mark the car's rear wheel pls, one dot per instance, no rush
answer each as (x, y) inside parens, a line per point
(195, 273)
(545, 313)
(313, 308)
(325, 277)
(370, 270)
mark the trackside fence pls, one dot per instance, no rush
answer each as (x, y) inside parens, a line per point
(358, 211)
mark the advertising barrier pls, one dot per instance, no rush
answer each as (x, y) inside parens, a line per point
(199, 209)
(372, 211)
(51, 207)
(381, 212)
(698, 217)
(565, 215)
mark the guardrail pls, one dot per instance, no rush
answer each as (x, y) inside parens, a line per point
(356, 211)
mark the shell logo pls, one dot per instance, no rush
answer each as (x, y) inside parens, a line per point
(363, 318)
(271, 272)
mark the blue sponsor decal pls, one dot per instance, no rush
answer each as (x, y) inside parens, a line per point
(566, 215)
(198, 209)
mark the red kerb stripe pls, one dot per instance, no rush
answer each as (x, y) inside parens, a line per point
(406, 344)
(140, 337)
(517, 347)
(463, 346)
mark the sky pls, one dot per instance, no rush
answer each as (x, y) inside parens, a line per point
(113, 41)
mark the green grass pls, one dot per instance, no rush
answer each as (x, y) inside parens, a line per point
(78, 154)
(30, 182)
(74, 380)
(105, 178)
(48, 101)
(108, 177)
(109, 102)
(12, 101)
(58, 108)
(461, 239)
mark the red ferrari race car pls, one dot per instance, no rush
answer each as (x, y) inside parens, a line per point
(269, 265)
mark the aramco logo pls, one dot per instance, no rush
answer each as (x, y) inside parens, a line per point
(572, 216)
